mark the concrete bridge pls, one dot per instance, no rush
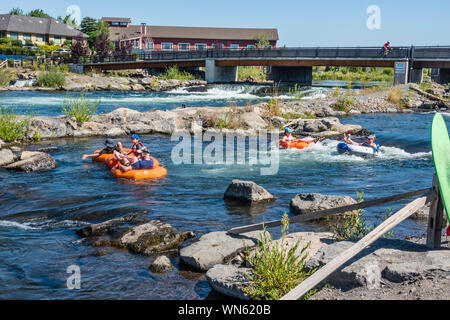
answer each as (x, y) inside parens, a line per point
(286, 64)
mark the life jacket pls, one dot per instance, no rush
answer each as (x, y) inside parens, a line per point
(137, 147)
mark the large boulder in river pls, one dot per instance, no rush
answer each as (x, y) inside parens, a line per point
(217, 248)
(135, 233)
(310, 202)
(247, 191)
(252, 120)
(33, 161)
(6, 157)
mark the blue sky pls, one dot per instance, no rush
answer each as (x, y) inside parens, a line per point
(299, 23)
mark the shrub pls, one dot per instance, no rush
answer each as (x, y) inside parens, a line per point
(276, 270)
(245, 72)
(5, 78)
(12, 126)
(80, 108)
(51, 79)
(395, 95)
(176, 74)
(227, 120)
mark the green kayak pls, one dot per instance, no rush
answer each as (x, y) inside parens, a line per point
(440, 146)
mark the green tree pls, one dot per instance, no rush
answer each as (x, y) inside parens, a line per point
(90, 26)
(16, 12)
(39, 13)
(261, 40)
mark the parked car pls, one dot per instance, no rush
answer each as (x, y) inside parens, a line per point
(59, 51)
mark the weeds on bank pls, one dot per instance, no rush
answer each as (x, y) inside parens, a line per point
(54, 78)
(80, 108)
(12, 127)
(175, 74)
(276, 270)
(353, 226)
(5, 78)
(395, 96)
(244, 73)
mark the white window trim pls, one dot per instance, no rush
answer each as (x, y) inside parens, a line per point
(189, 46)
(152, 47)
(162, 46)
(218, 46)
(235, 44)
(251, 46)
(201, 44)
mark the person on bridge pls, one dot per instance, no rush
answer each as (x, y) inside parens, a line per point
(387, 46)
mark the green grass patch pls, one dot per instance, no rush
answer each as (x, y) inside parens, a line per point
(80, 108)
(51, 79)
(5, 77)
(354, 74)
(12, 126)
(246, 72)
(173, 73)
(275, 269)
(395, 96)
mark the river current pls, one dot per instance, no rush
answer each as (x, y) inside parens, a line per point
(41, 210)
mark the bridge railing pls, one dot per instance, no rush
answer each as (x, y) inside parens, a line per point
(432, 53)
(280, 53)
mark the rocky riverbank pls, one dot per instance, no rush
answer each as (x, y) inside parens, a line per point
(27, 81)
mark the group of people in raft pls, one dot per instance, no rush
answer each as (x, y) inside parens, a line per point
(288, 138)
(136, 158)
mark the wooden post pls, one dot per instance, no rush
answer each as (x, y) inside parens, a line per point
(435, 218)
(335, 263)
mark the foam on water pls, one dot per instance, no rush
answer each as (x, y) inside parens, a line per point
(46, 224)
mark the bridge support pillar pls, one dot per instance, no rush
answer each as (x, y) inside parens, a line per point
(416, 75)
(300, 75)
(444, 76)
(215, 74)
(401, 69)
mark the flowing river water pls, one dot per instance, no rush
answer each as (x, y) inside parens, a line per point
(41, 210)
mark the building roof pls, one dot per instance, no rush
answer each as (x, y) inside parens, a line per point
(193, 33)
(109, 19)
(34, 25)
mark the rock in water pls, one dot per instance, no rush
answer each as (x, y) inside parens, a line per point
(217, 248)
(162, 264)
(247, 191)
(129, 232)
(6, 157)
(310, 202)
(229, 280)
(33, 161)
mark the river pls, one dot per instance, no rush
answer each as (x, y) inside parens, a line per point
(41, 210)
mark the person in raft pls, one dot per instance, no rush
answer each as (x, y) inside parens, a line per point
(289, 138)
(145, 162)
(370, 142)
(110, 147)
(132, 156)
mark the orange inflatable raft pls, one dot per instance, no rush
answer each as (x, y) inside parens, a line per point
(106, 156)
(297, 144)
(156, 172)
(112, 162)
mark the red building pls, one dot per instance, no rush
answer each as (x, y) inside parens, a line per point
(164, 38)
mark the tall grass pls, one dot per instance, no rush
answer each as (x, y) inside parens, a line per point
(276, 270)
(80, 108)
(54, 78)
(173, 73)
(395, 95)
(5, 77)
(354, 74)
(246, 72)
(12, 126)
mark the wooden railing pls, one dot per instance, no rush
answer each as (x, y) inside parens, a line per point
(4, 64)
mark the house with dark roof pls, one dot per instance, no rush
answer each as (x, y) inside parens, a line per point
(37, 30)
(169, 38)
